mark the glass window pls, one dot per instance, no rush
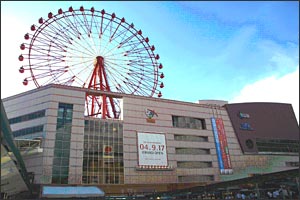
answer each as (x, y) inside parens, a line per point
(56, 161)
(193, 164)
(188, 122)
(62, 143)
(292, 164)
(277, 145)
(192, 151)
(100, 167)
(191, 138)
(27, 131)
(27, 117)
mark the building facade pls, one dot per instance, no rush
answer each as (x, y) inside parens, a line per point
(155, 144)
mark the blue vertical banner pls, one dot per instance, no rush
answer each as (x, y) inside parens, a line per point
(218, 146)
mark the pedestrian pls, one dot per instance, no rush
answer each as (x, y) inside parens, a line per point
(243, 196)
(269, 195)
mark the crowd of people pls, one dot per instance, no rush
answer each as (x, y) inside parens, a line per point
(284, 193)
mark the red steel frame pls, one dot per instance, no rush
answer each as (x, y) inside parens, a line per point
(99, 81)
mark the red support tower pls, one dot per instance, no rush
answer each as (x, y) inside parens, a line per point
(98, 105)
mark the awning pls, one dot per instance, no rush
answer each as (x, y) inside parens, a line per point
(71, 191)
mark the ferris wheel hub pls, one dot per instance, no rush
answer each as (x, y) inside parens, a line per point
(99, 61)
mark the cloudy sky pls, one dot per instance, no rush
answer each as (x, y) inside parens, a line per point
(233, 51)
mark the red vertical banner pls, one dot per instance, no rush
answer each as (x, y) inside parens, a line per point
(224, 145)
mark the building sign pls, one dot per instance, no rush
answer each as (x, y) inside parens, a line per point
(243, 115)
(150, 114)
(221, 146)
(152, 149)
(246, 126)
(108, 151)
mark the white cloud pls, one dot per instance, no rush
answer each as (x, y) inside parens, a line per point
(272, 89)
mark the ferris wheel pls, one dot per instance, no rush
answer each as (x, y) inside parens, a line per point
(95, 50)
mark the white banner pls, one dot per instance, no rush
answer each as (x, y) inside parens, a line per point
(152, 149)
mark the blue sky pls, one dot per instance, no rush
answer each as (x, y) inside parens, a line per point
(234, 51)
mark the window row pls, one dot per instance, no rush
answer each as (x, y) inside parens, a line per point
(188, 122)
(103, 126)
(102, 146)
(277, 145)
(112, 179)
(193, 164)
(292, 164)
(60, 174)
(61, 153)
(96, 139)
(101, 163)
(62, 144)
(192, 151)
(27, 144)
(191, 138)
(60, 170)
(61, 162)
(117, 156)
(62, 136)
(27, 117)
(27, 131)
(60, 179)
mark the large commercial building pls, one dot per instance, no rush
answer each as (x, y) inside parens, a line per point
(155, 144)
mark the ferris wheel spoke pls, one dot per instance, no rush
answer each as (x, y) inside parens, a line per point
(116, 29)
(114, 49)
(138, 50)
(79, 71)
(122, 34)
(142, 57)
(60, 33)
(46, 38)
(131, 72)
(49, 72)
(64, 28)
(46, 58)
(144, 66)
(85, 44)
(101, 25)
(44, 41)
(116, 45)
(95, 30)
(110, 21)
(132, 44)
(84, 75)
(79, 51)
(89, 27)
(80, 22)
(70, 23)
(54, 35)
(126, 40)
